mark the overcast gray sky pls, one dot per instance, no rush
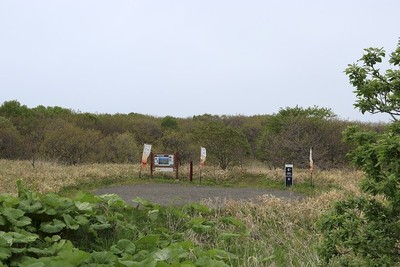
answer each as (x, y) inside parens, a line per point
(185, 58)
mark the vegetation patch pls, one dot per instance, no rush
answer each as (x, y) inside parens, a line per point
(50, 230)
(241, 233)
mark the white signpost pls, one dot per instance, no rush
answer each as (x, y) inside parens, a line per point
(203, 155)
(146, 153)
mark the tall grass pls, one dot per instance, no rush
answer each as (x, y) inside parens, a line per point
(281, 232)
(52, 177)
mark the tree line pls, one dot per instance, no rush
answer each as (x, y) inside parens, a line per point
(70, 137)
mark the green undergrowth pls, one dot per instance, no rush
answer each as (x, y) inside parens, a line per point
(88, 230)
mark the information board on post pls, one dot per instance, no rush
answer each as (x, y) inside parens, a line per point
(164, 162)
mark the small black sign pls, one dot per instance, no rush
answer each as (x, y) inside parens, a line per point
(289, 174)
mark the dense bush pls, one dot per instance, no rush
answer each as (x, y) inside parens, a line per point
(365, 230)
(62, 135)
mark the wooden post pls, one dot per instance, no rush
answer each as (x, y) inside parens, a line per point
(191, 171)
(177, 165)
(151, 164)
(200, 173)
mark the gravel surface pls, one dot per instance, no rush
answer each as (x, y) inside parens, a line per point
(177, 194)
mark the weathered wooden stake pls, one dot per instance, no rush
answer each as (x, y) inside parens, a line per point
(191, 171)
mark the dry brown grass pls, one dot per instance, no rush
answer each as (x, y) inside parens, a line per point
(51, 177)
(283, 232)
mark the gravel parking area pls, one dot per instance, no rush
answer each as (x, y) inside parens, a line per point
(178, 194)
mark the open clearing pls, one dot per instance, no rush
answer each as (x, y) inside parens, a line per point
(177, 194)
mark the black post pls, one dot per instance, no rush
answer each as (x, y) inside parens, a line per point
(289, 175)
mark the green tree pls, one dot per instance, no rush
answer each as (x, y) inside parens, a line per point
(174, 141)
(19, 115)
(10, 140)
(310, 112)
(13, 109)
(110, 124)
(252, 128)
(225, 145)
(289, 135)
(68, 143)
(30, 124)
(147, 130)
(120, 148)
(169, 123)
(377, 92)
(365, 230)
(53, 111)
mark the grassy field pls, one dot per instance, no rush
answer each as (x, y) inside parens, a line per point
(53, 177)
(279, 233)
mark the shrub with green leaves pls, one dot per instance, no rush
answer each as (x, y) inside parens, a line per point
(50, 230)
(365, 231)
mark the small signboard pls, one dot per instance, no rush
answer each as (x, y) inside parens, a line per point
(165, 163)
(289, 174)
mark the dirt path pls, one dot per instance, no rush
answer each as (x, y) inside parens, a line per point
(176, 194)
